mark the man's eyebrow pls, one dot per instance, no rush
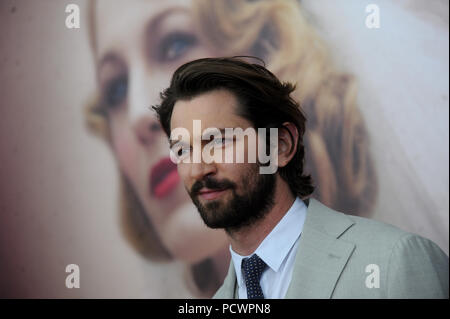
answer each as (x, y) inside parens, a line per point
(207, 133)
(211, 131)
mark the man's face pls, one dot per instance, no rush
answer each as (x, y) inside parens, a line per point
(227, 195)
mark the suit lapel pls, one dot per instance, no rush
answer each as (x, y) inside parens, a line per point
(321, 255)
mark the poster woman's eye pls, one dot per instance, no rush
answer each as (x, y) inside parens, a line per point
(116, 92)
(175, 45)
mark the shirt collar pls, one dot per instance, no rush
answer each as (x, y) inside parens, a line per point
(276, 246)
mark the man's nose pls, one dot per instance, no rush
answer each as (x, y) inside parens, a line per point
(198, 171)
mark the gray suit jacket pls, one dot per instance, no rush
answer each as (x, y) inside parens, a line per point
(343, 256)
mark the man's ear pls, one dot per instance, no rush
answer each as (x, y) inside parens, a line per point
(287, 143)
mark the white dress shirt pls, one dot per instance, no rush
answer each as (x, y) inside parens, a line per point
(278, 251)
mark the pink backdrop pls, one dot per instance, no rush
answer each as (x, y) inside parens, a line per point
(58, 184)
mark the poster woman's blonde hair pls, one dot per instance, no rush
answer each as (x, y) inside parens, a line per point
(336, 141)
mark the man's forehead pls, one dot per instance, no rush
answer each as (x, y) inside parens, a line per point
(214, 109)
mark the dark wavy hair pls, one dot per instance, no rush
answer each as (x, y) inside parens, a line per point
(263, 100)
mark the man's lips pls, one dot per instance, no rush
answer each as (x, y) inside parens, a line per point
(210, 194)
(163, 178)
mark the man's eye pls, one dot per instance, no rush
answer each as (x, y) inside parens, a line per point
(116, 92)
(221, 141)
(175, 46)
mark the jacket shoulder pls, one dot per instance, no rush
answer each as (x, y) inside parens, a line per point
(410, 265)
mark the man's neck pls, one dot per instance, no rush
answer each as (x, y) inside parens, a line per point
(245, 240)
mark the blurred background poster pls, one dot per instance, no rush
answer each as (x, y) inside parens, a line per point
(90, 206)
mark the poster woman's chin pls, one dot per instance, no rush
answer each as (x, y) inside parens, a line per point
(187, 237)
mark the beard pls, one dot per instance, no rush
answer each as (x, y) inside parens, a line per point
(241, 210)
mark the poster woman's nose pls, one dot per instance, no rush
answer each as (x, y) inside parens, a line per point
(142, 117)
(147, 128)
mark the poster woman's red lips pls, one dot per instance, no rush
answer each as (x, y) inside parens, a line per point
(163, 178)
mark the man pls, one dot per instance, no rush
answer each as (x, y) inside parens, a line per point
(284, 244)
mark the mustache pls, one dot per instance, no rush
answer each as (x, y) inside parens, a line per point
(211, 183)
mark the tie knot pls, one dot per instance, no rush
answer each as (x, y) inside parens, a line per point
(253, 268)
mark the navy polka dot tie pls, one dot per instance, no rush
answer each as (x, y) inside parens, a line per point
(253, 268)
